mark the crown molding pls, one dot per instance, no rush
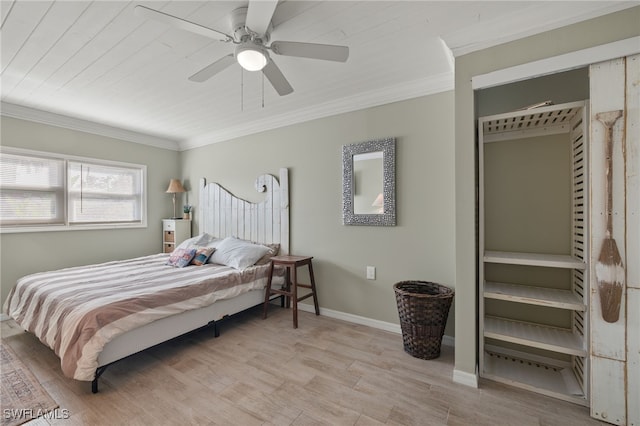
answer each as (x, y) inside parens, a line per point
(408, 90)
(520, 24)
(72, 123)
(413, 89)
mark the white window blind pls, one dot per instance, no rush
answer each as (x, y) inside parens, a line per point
(101, 193)
(31, 190)
(63, 192)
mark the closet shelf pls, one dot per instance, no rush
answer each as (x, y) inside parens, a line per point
(534, 335)
(555, 381)
(551, 297)
(534, 259)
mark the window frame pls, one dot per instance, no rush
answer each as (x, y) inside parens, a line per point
(67, 225)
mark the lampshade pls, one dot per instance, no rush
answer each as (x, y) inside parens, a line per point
(175, 186)
(251, 56)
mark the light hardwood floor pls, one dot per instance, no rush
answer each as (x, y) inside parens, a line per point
(264, 372)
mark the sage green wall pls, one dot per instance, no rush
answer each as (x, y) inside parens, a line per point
(527, 195)
(606, 29)
(28, 252)
(420, 247)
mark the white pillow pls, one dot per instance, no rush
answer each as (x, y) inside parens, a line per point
(214, 242)
(200, 240)
(238, 254)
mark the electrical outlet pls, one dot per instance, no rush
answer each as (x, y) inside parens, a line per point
(371, 272)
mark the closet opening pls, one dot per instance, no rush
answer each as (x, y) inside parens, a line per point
(532, 242)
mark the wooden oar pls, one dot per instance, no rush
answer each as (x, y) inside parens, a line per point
(609, 268)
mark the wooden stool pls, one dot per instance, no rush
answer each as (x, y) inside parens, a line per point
(290, 290)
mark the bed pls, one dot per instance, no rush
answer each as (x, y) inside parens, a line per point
(192, 297)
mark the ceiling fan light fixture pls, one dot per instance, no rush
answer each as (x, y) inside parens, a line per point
(251, 56)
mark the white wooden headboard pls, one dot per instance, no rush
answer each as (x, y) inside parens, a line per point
(221, 214)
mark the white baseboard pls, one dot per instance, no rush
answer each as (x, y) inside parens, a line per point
(465, 378)
(357, 319)
(449, 340)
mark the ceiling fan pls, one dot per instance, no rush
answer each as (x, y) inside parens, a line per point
(251, 29)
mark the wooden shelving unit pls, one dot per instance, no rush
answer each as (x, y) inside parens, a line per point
(533, 355)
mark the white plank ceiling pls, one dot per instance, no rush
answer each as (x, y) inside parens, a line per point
(96, 65)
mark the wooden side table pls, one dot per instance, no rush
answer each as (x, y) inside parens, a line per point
(290, 290)
(174, 231)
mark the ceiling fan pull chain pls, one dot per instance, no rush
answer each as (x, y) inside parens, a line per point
(262, 90)
(241, 89)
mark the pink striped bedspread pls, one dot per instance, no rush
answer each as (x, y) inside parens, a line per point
(77, 311)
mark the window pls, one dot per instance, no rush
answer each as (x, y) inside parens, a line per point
(32, 190)
(104, 194)
(39, 189)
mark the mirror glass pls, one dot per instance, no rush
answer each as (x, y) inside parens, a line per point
(369, 183)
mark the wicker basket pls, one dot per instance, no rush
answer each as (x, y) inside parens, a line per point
(423, 308)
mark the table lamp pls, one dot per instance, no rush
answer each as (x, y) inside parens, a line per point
(174, 187)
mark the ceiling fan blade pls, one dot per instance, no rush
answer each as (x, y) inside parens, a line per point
(210, 70)
(276, 78)
(327, 52)
(259, 15)
(180, 23)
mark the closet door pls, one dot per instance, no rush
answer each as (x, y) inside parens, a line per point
(615, 229)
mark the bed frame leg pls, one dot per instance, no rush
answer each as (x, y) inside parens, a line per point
(216, 330)
(94, 383)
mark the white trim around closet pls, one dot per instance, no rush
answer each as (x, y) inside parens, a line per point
(554, 64)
